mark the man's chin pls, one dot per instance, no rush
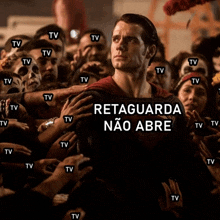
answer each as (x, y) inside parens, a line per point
(49, 78)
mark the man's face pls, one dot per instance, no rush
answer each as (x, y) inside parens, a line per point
(201, 67)
(128, 51)
(97, 50)
(58, 45)
(163, 80)
(15, 87)
(30, 74)
(47, 65)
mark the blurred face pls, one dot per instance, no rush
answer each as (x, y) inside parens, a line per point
(128, 51)
(15, 87)
(30, 74)
(97, 50)
(216, 63)
(201, 67)
(162, 80)
(193, 97)
(58, 45)
(47, 65)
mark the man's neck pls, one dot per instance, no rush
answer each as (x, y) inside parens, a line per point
(134, 85)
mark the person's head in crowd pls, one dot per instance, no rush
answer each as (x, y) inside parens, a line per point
(95, 41)
(24, 65)
(134, 43)
(206, 46)
(185, 63)
(193, 95)
(44, 53)
(10, 83)
(160, 73)
(216, 60)
(13, 43)
(160, 50)
(55, 35)
(195, 63)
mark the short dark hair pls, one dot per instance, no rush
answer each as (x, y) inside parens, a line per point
(36, 44)
(7, 74)
(8, 44)
(93, 31)
(149, 34)
(51, 27)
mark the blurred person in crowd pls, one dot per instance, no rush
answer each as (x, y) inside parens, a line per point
(15, 86)
(54, 35)
(162, 75)
(10, 48)
(185, 62)
(28, 72)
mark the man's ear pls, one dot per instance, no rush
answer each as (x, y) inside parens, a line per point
(3, 54)
(151, 50)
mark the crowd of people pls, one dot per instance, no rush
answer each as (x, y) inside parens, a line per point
(61, 157)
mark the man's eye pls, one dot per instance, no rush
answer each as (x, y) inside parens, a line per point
(115, 39)
(43, 62)
(54, 61)
(100, 47)
(187, 69)
(23, 71)
(187, 90)
(201, 70)
(132, 40)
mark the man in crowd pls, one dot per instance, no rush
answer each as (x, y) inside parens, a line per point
(160, 73)
(92, 47)
(44, 53)
(54, 35)
(11, 47)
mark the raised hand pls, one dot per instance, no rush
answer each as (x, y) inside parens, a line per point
(173, 200)
(60, 152)
(77, 109)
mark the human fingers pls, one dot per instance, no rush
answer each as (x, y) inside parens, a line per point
(212, 137)
(78, 212)
(52, 161)
(173, 186)
(204, 150)
(197, 116)
(23, 150)
(84, 108)
(167, 193)
(67, 136)
(85, 53)
(84, 171)
(65, 105)
(76, 89)
(79, 100)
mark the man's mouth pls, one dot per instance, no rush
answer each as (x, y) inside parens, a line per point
(48, 76)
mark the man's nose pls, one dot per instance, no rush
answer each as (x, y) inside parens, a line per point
(49, 65)
(93, 51)
(121, 45)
